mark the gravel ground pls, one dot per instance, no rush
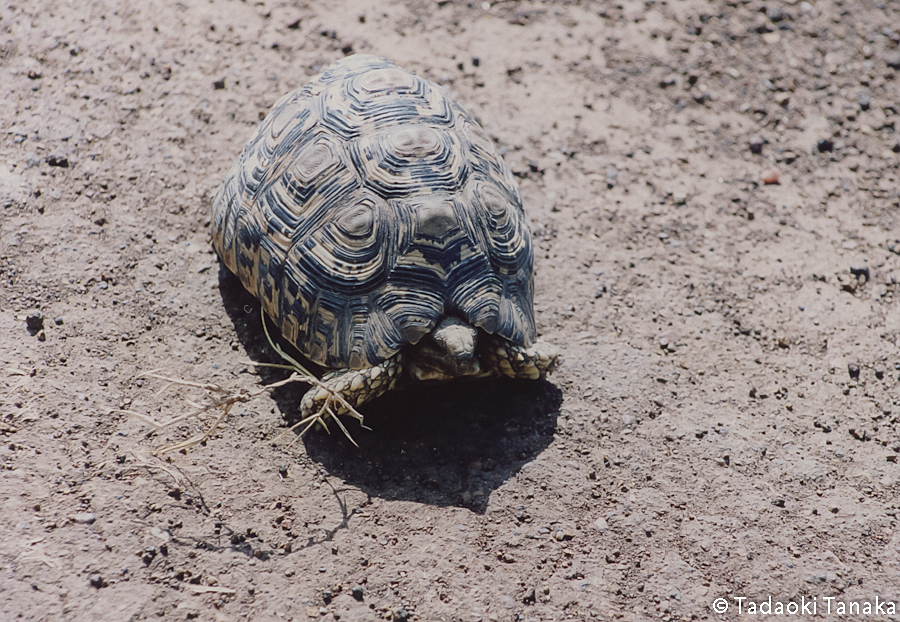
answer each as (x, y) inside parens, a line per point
(713, 190)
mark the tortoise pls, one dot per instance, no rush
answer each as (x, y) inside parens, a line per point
(383, 234)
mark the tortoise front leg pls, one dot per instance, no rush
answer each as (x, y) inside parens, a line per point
(514, 361)
(355, 386)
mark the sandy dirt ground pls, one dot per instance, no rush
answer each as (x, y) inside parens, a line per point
(725, 421)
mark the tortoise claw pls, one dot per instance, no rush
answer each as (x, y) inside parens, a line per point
(515, 361)
(355, 386)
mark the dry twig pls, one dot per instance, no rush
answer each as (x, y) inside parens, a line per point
(224, 400)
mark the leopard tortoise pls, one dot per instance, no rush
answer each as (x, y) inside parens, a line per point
(383, 234)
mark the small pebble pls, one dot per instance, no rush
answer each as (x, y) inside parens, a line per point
(357, 592)
(825, 145)
(770, 176)
(530, 597)
(84, 518)
(611, 176)
(756, 143)
(865, 99)
(862, 273)
(34, 322)
(853, 370)
(670, 80)
(148, 554)
(775, 14)
(892, 60)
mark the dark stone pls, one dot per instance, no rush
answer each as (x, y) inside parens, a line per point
(148, 554)
(756, 143)
(775, 14)
(853, 370)
(357, 592)
(861, 273)
(34, 322)
(893, 60)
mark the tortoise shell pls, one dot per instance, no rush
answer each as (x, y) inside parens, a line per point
(367, 206)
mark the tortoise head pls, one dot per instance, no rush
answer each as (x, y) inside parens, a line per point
(448, 352)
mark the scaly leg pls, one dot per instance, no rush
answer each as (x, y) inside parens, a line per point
(515, 361)
(356, 386)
